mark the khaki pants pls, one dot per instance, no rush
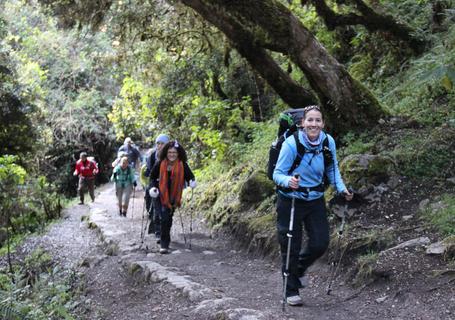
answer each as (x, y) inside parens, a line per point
(123, 195)
(86, 183)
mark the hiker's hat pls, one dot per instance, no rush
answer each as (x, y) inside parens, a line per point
(162, 138)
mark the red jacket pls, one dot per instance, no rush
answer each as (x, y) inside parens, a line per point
(86, 169)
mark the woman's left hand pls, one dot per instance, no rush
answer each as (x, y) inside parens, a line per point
(348, 195)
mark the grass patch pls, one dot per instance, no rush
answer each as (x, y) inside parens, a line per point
(442, 217)
(427, 153)
(356, 144)
(365, 265)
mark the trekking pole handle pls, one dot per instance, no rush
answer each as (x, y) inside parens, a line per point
(349, 189)
(296, 176)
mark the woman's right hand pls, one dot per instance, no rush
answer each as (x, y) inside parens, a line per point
(294, 183)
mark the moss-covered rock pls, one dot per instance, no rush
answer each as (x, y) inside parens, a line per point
(363, 169)
(256, 188)
(449, 253)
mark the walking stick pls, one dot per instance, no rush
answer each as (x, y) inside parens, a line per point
(339, 236)
(288, 251)
(191, 223)
(338, 249)
(142, 225)
(132, 206)
(191, 219)
(181, 223)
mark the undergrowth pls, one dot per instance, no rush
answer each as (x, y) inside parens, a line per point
(38, 289)
(442, 217)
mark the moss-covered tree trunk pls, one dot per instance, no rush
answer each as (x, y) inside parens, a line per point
(255, 26)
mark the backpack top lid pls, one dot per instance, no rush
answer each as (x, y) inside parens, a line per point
(289, 118)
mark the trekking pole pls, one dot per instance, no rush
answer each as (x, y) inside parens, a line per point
(142, 224)
(181, 223)
(338, 250)
(288, 251)
(191, 220)
(132, 206)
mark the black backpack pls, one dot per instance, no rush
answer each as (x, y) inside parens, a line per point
(289, 125)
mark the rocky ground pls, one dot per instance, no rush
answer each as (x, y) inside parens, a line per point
(126, 278)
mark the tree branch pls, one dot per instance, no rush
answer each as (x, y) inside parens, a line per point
(371, 20)
(289, 90)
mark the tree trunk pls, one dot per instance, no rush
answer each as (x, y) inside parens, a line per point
(256, 25)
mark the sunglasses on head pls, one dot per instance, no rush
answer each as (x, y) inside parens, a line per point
(309, 108)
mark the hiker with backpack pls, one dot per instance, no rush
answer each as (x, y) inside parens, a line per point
(86, 169)
(125, 181)
(168, 178)
(306, 157)
(131, 151)
(153, 205)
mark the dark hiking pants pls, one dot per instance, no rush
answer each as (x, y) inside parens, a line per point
(166, 225)
(312, 215)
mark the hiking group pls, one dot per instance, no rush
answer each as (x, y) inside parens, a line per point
(302, 163)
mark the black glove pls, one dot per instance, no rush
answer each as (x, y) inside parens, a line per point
(135, 184)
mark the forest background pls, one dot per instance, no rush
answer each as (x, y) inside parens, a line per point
(81, 76)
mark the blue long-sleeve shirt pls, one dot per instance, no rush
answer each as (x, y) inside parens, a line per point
(310, 170)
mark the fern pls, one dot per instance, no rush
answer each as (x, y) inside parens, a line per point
(7, 312)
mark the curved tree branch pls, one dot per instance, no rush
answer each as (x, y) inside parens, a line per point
(290, 91)
(371, 20)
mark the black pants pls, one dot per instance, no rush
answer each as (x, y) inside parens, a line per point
(311, 214)
(166, 225)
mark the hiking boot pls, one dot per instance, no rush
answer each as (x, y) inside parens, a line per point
(124, 213)
(164, 250)
(294, 300)
(80, 203)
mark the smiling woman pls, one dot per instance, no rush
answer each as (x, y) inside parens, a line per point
(168, 178)
(313, 123)
(301, 200)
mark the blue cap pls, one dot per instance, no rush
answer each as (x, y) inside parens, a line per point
(163, 138)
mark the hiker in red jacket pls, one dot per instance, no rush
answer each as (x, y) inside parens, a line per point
(86, 170)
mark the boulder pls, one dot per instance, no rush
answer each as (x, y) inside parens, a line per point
(366, 169)
(256, 188)
(446, 247)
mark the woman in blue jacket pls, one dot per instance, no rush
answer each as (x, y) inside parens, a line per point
(305, 183)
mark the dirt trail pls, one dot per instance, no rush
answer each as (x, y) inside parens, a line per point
(128, 279)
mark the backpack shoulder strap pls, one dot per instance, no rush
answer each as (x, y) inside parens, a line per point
(300, 152)
(326, 152)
